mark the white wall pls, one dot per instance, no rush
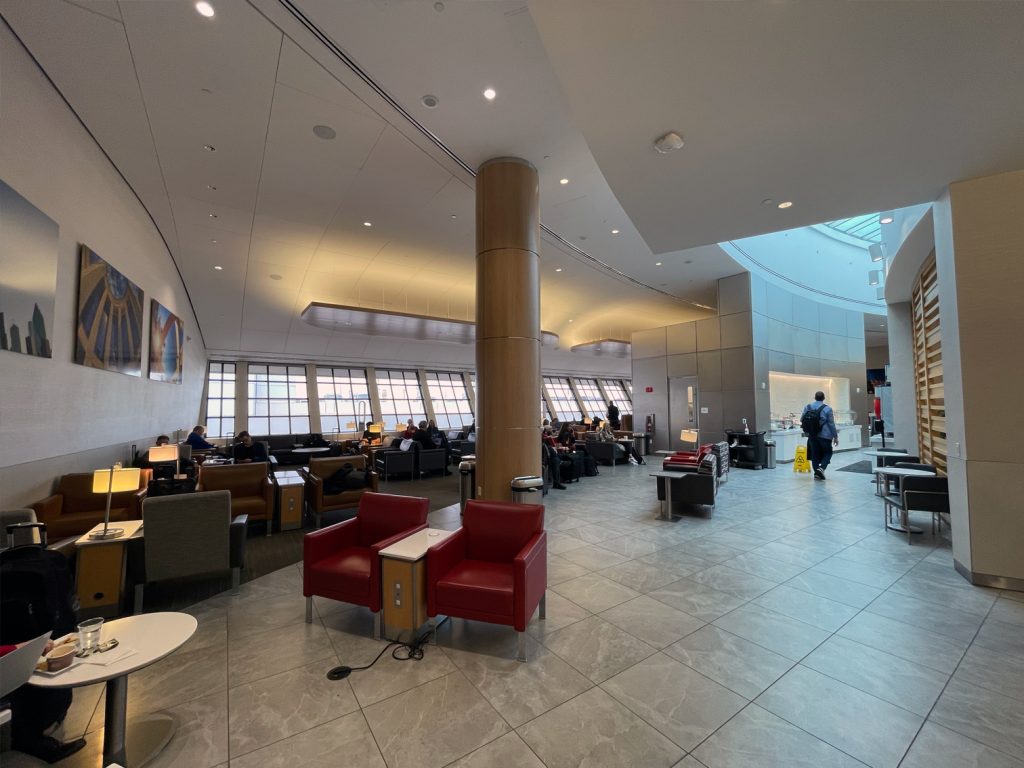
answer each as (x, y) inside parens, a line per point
(55, 416)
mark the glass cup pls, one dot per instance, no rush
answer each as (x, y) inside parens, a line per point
(89, 634)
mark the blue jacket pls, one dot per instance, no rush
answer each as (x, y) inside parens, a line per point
(197, 442)
(826, 417)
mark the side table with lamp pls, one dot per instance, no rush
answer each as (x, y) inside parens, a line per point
(102, 551)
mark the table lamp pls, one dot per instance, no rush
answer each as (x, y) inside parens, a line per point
(164, 454)
(690, 436)
(111, 481)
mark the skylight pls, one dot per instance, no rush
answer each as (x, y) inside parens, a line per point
(866, 227)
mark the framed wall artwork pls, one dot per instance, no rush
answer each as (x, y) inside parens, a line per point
(28, 275)
(166, 343)
(109, 333)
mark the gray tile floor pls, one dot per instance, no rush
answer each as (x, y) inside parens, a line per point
(789, 629)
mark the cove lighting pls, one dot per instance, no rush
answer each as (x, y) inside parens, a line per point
(490, 94)
(786, 204)
(205, 9)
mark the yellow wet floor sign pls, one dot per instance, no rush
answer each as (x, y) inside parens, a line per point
(800, 462)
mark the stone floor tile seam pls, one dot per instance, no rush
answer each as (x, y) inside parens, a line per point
(755, 704)
(787, 618)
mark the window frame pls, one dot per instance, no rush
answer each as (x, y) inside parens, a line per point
(294, 403)
(346, 409)
(215, 424)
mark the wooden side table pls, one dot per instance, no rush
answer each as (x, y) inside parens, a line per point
(100, 569)
(404, 583)
(290, 498)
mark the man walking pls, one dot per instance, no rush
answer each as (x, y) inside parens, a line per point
(819, 424)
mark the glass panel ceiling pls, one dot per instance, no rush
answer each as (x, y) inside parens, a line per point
(864, 227)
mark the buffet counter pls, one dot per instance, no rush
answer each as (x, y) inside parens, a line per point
(787, 440)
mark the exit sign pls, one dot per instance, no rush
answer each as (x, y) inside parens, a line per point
(648, 390)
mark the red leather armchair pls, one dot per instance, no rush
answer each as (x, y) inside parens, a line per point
(342, 562)
(493, 569)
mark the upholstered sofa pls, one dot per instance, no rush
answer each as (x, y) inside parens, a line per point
(73, 508)
(252, 492)
(319, 500)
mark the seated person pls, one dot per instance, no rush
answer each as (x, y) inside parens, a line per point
(553, 463)
(410, 430)
(161, 469)
(566, 437)
(247, 450)
(197, 439)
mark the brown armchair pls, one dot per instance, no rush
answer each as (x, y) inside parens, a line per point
(319, 470)
(73, 508)
(252, 492)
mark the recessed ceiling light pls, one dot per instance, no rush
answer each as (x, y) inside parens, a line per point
(454, 216)
(570, 319)
(657, 263)
(439, 6)
(490, 93)
(558, 269)
(563, 181)
(211, 187)
(885, 220)
(688, 261)
(209, 147)
(213, 216)
(430, 101)
(214, 242)
(367, 223)
(206, 90)
(218, 267)
(324, 132)
(615, 231)
(785, 204)
(275, 277)
(767, 201)
(205, 9)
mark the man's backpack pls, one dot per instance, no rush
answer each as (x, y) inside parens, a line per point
(810, 421)
(36, 594)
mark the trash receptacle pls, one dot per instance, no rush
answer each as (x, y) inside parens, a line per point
(467, 483)
(769, 446)
(524, 487)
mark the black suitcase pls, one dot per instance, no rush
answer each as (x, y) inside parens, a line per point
(36, 594)
(571, 467)
(589, 466)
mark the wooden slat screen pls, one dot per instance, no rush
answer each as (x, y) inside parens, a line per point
(931, 398)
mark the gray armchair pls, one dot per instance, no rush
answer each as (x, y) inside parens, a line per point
(920, 494)
(431, 459)
(190, 534)
(393, 461)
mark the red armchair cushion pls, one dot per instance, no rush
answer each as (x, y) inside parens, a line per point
(497, 531)
(474, 585)
(345, 572)
(382, 515)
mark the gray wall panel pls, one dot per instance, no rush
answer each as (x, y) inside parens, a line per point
(738, 368)
(682, 338)
(737, 330)
(805, 313)
(682, 365)
(649, 343)
(734, 294)
(780, 304)
(709, 370)
(708, 334)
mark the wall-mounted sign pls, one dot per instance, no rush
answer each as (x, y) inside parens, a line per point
(704, 409)
(648, 390)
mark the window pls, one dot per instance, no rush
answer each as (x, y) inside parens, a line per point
(340, 392)
(278, 401)
(593, 403)
(562, 398)
(400, 397)
(617, 394)
(220, 400)
(450, 399)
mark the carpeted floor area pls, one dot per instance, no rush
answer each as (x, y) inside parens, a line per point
(862, 467)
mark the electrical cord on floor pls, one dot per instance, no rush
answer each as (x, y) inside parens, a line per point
(413, 652)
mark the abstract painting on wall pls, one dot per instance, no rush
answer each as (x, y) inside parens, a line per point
(109, 318)
(166, 343)
(28, 275)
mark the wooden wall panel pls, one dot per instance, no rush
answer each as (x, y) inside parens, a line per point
(928, 374)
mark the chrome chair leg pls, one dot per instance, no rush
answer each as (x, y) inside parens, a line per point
(543, 607)
(521, 647)
(309, 609)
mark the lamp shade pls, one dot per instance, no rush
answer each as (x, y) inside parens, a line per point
(163, 453)
(588, 421)
(689, 435)
(374, 429)
(350, 425)
(123, 480)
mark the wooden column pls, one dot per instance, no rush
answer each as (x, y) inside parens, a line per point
(507, 325)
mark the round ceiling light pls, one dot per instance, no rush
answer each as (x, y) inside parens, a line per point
(887, 219)
(657, 263)
(558, 269)
(367, 223)
(211, 187)
(275, 277)
(767, 201)
(439, 6)
(209, 147)
(563, 182)
(324, 132)
(670, 142)
(615, 231)
(490, 94)
(430, 101)
(205, 9)
(785, 204)
(213, 215)
(218, 267)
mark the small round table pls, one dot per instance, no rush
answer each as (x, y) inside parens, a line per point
(152, 636)
(322, 449)
(877, 452)
(887, 472)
